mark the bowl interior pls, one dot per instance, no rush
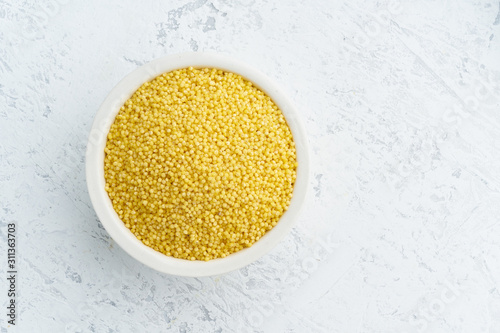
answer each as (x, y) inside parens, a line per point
(95, 166)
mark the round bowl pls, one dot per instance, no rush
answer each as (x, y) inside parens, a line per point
(95, 167)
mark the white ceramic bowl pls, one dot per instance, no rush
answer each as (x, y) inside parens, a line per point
(95, 167)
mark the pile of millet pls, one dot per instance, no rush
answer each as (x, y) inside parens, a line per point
(199, 163)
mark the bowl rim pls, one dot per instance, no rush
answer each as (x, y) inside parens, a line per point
(95, 166)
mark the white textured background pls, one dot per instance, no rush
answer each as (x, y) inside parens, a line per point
(401, 102)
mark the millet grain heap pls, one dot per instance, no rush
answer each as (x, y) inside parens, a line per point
(199, 164)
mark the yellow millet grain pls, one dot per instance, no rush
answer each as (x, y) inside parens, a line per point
(199, 163)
